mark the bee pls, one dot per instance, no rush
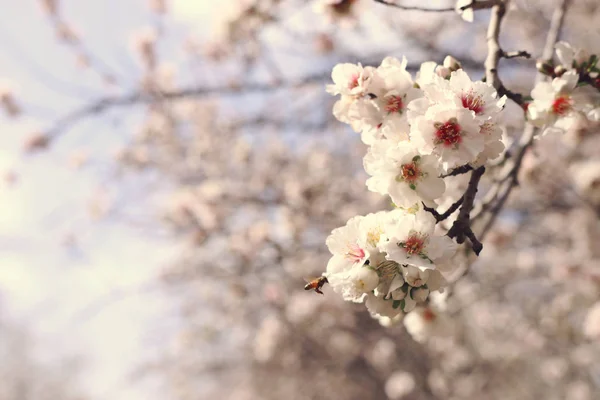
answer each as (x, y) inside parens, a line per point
(316, 284)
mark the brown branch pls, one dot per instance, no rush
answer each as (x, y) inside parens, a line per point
(479, 5)
(463, 169)
(461, 228)
(412, 8)
(516, 54)
(441, 217)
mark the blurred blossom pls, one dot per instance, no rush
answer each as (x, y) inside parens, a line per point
(586, 178)
(267, 338)
(553, 370)
(65, 33)
(100, 203)
(424, 323)
(345, 12)
(50, 6)
(324, 43)
(578, 390)
(10, 178)
(399, 385)
(383, 353)
(143, 43)
(36, 141)
(7, 99)
(343, 346)
(591, 327)
(78, 158)
(301, 308)
(158, 6)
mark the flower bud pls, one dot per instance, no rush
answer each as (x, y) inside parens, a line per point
(545, 67)
(419, 294)
(452, 63)
(366, 279)
(581, 56)
(559, 70)
(443, 72)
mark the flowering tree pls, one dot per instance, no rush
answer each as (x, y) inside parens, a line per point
(439, 125)
(259, 173)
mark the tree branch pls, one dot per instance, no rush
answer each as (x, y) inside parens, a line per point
(516, 54)
(461, 228)
(463, 169)
(440, 217)
(412, 8)
(498, 197)
(494, 50)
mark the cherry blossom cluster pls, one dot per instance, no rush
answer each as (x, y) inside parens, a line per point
(417, 130)
(573, 93)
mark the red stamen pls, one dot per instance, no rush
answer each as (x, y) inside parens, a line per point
(561, 105)
(394, 104)
(472, 102)
(428, 315)
(410, 172)
(414, 245)
(448, 133)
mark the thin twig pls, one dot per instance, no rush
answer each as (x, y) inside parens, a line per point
(413, 8)
(463, 169)
(516, 54)
(498, 199)
(441, 217)
(479, 5)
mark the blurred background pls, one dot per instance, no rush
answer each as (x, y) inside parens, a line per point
(171, 169)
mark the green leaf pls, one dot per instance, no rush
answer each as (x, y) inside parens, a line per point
(412, 186)
(402, 304)
(416, 158)
(396, 303)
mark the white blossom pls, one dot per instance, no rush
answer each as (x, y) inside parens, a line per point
(379, 307)
(353, 246)
(426, 322)
(411, 241)
(479, 97)
(449, 132)
(403, 173)
(570, 57)
(556, 105)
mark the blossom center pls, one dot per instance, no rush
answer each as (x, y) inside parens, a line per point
(472, 102)
(353, 81)
(561, 105)
(428, 315)
(355, 253)
(394, 104)
(373, 237)
(410, 172)
(414, 244)
(448, 133)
